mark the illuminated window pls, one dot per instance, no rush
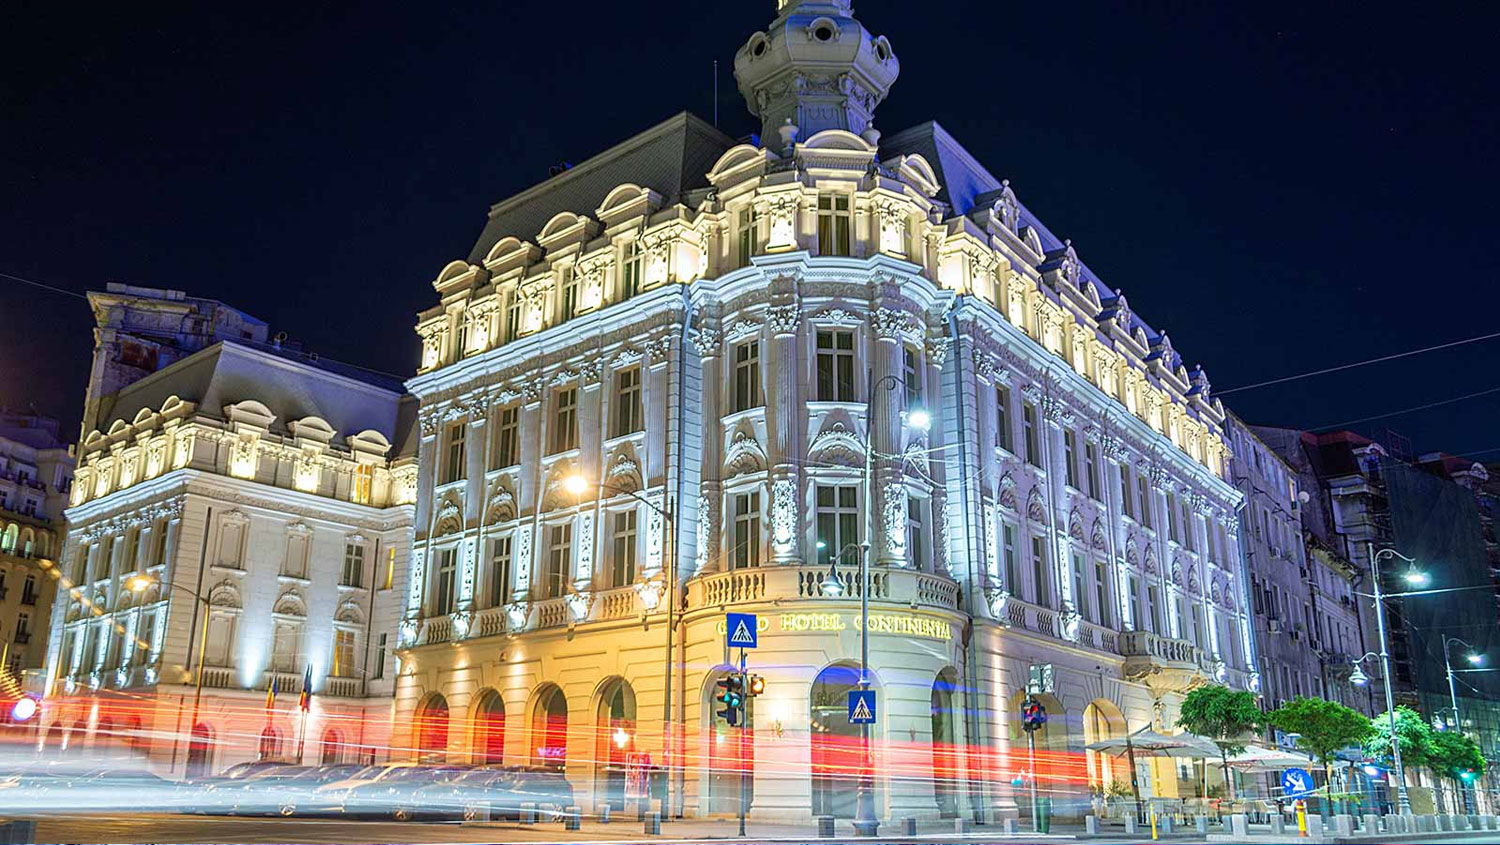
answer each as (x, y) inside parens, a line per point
(453, 465)
(499, 574)
(364, 482)
(343, 654)
(568, 296)
(837, 520)
(513, 315)
(749, 222)
(916, 532)
(380, 652)
(911, 374)
(559, 561)
(444, 587)
(390, 570)
(354, 565)
(630, 270)
(833, 224)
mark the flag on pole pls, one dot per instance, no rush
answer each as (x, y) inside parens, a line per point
(271, 694)
(306, 700)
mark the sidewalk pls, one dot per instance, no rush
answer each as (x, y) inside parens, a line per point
(708, 830)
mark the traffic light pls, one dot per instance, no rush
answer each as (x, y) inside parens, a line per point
(732, 696)
(757, 684)
(1033, 715)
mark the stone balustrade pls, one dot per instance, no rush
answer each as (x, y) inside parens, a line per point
(805, 583)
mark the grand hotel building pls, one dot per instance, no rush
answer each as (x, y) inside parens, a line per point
(718, 337)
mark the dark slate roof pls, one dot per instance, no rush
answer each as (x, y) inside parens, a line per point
(228, 372)
(672, 157)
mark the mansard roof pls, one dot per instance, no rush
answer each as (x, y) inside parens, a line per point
(291, 390)
(671, 158)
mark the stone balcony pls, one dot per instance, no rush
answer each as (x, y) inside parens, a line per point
(805, 583)
(1164, 664)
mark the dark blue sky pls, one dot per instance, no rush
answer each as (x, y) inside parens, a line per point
(1281, 188)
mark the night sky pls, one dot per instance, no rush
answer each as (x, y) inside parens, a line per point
(1281, 188)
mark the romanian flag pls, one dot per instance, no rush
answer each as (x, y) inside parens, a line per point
(271, 693)
(306, 701)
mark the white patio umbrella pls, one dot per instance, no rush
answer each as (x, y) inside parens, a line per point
(1147, 741)
(1258, 758)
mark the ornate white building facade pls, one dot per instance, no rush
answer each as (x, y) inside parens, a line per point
(36, 472)
(241, 519)
(715, 336)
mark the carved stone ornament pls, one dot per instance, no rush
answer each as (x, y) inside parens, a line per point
(1254, 683)
(650, 593)
(706, 341)
(837, 317)
(1075, 525)
(516, 614)
(837, 445)
(937, 350)
(1008, 491)
(462, 621)
(579, 603)
(783, 513)
(1035, 509)
(740, 330)
(890, 323)
(1072, 624)
(1096, 535)
(744, 455)
(783, 319)
(998, 601)
(1221, 671)
(895, 518)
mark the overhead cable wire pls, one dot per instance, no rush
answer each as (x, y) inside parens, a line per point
(1412, 409)
(52, 288)
(1354, 364)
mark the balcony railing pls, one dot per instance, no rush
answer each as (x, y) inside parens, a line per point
(805, 583)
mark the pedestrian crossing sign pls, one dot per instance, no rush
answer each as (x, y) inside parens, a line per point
(741, 630)
(861, 707)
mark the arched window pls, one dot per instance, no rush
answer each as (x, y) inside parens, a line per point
(270, 744)
(431, 726)
(332, 748)
(614, 739)
(200, 752)
(945, 748)
(488, 748)
(8, 539)
(837, 756)
(549, 729)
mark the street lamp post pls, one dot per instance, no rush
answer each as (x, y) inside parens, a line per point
(1475, 659)
(578, 485)
(1385, 669)
(141, 583)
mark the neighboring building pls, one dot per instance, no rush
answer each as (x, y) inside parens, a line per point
(1431, 510)
(36, 472)
(1307, 625)
(271, 492)
(714, 335)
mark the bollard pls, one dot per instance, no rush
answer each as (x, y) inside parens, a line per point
(1491, 823)
(605, 813)
(1165, 823)
(1426, 824)
(640, 811)
(1278, 824)
(1475, 822)
(1091, 825)
(960, 825)
(1314, 826)
(1343, 825)
(1372, 824)
(909, 826)
(572, 818)
(653, 824)
(1008, 826)
(528, 813)
(1200, 824)
(1444, 822)
(1239, 825)
(1130, 823)
(825, 827)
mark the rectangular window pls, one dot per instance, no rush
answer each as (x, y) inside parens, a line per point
(1187, 526)
(1028, 425)
(1199, 634)
(1174, 532)
(837, 520)
(565, 420)
(746, 376)
(1012, 559)
(627, 402)
(145, 637)
(513, 315)
(128, 552)
(354, 565)
(505, 441)
(1153, 608)
(1081, 587)
(28, 591)
(1091, 469)
(622, 562)
(559, 561)
(1127, 496)
(744, 549)
(835, 366)
(833, 224)
(567, 296)
(499, 570)
(630, 270)
(1002, 418)
(916, 533)
(453, 464)
(390, 570)
(23, 628)
(911, 376)
(1070, 458)
(380, 658)
(749, 220)
(1103, 609)
(1041, 585)
(1144, 488)
(364, 483)
(80, 564)
(343, 655)
(1133, 584)
(445, 583)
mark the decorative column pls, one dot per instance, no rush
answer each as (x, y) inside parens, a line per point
(883, 435)
(785, 418)
(1057, 418)
(708, 341)
(1115, 463)
(1159, 481)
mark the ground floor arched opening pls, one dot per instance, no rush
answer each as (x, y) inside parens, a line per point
(430, 729)
(947, 753)
(200, 752)
(614, 741)
(487, 736)
(549, 728)
(839, 756)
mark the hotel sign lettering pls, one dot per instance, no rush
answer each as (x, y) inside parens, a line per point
(897, 624)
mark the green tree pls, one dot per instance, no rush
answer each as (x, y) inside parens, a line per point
(1322, 727)
(1455, 756)
(1412, 731)
(1225, 716)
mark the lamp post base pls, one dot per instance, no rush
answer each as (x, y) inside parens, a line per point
(865, 823)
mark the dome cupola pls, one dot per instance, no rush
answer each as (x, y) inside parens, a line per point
(816, 67)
